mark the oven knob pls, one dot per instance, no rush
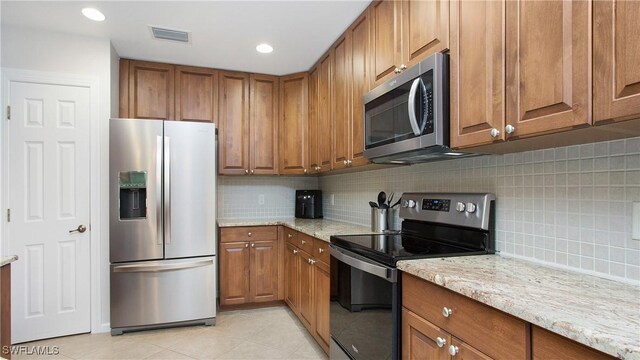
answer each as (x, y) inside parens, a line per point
(471, 208)
(411, 204)
(460, 207)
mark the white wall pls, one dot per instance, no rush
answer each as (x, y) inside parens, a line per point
(33, 49)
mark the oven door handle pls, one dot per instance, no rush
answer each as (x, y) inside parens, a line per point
(360, 263)
(417, 130)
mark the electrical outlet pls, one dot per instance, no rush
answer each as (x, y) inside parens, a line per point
(261, 199)
(635, 221)
(332, 199)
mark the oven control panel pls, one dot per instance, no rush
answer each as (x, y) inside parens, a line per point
(436, 204)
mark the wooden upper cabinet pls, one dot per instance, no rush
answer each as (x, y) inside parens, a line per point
(325, 112)
(264, 271)
(196, 94)
(340, 86)
(293, 133)
(151, 90)
(476, 72)
(359, 54)
(233, 118)
(263, 128)
(616, 53)
(425, 27)
(314, 156)
(386, 47)
(547, 66)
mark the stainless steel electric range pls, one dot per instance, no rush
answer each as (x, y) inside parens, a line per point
(365, 285)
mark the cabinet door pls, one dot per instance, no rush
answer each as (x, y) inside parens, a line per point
(294, 157)
(616, 50)
(314, 162)
(264, 271)
(386, 39)
(263, 128)
(196, 94)
(547, 73)
(233, 124)
(306, 291)
(477, 72)
(325, 111)
(425, 29)
(292, 278)
(321, 300)
(341, 83)
(547, 345)
(466, 352)
(234, 273)
(151, 90)
(360, 47)
(420, 338)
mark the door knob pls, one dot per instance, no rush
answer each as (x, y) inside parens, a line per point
(80, 229)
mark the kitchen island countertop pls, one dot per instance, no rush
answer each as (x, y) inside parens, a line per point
(600, 313)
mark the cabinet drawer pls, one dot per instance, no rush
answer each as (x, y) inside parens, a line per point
(305, 243)
(470, 321)
(321, 250)
(248, 233)
(291, 236)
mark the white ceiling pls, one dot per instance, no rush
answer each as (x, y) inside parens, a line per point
(224, 33)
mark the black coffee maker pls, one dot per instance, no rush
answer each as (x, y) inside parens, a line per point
(308, 204)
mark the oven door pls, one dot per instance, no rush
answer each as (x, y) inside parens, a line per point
(365, 308)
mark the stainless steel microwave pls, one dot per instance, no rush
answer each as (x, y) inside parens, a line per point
(406, 119)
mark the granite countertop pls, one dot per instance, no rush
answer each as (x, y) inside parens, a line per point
(8, 260)
(600, 313)
(318, 228)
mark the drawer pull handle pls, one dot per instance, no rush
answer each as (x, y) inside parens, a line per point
(320, 250)
(440, 341)
(446, 312)
(453, 350)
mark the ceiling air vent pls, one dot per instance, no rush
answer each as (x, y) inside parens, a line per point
(170, 34)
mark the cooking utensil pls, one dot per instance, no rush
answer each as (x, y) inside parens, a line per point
(390, 199)
(372, 204)
(396, 204)
(384, 206)
(382, 198)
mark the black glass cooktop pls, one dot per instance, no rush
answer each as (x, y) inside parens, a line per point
(417, 242)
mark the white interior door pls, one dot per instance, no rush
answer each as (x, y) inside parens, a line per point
(49, 197)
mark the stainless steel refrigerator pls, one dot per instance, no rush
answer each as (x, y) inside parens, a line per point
(162, 200)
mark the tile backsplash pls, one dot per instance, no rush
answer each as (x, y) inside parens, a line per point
(568, 206)
(239, 196)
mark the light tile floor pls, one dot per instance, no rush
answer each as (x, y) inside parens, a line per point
(268, 333)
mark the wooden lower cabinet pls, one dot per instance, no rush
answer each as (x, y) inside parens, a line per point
(307, 284)
(250, 271)
(547, 345)
(421, 339)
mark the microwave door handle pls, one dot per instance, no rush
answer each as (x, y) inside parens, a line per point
(412, 107)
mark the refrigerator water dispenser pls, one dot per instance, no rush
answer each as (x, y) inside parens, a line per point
(133, 195)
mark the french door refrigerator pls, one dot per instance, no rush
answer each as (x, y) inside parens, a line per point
(162, 179)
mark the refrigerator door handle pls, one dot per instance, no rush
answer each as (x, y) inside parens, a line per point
(161, 267)
(159, 189)
(167, 190)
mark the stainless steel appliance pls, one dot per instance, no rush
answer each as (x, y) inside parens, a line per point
(406, 119)
(366, 288)
(162, 240)
(308, 204)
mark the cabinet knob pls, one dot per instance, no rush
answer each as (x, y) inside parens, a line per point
(251, 171)
(320, 250)
(318, 168)
(290, 236)
(397, 71)
(246, 171)
(509, 129)
(440, 341)
(349, 162)
(403, 67)
(305, 171)
(253, 245)
(246, 245)
(453, 350)
(295, 251)
(303, 242)
(494, 133)
(446, 312)
(249, 234)
(311, 261)
(345, 163)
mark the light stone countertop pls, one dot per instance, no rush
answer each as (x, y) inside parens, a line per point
(8, 260)
(318, 228)
(600, 313)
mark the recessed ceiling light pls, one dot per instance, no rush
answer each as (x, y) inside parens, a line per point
(93, 14)
(264, 48)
